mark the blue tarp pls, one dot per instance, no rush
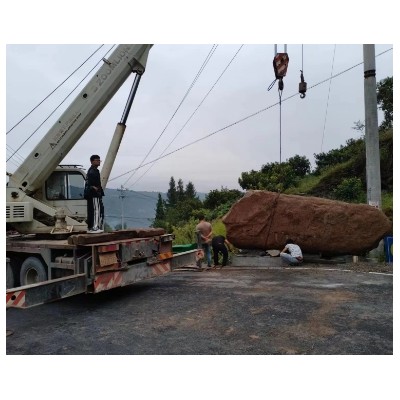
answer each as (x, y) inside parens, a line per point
(388, 243)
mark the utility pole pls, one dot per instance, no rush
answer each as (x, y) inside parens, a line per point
(373, 166)
(122, 195)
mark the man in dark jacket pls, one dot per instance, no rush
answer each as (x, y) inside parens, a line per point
(93, 194)
(218, 245)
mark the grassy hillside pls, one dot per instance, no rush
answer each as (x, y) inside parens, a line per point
(325, 183)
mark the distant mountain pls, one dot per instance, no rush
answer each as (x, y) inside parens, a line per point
(138, 208)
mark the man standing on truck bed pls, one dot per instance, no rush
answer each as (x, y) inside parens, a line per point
(93, 194)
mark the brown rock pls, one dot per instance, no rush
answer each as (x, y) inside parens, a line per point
(264, 220)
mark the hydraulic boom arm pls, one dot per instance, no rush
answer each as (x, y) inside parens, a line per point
(64, 134)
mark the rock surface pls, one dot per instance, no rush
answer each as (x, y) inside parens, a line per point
(264, 220)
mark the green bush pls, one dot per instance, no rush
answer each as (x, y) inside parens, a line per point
(185, 233)
(350, 190)
(387, 205)
(218, 227)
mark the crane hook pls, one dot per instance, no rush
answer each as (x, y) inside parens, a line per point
(302, 86)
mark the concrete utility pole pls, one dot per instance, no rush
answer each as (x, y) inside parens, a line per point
(122, 195)
(373, 166)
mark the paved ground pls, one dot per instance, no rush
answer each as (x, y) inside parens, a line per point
(229, 311)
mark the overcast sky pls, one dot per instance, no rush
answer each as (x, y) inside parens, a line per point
(323, 120)
(309, 126)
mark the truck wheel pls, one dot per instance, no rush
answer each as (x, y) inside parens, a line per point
(32, 271)
(9, 277)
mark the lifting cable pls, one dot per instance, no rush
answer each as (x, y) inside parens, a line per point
(280, 64)
(302, 84)
(244, 118)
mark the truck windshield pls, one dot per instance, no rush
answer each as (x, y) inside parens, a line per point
(65, 185)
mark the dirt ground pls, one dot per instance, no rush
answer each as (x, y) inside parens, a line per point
(314, 309)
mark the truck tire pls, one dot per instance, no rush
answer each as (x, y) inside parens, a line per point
(9, 276)
(32, 271)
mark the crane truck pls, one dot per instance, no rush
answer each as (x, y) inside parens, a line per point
(49, 255)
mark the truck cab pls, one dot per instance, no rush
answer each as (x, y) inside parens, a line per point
(64, 188)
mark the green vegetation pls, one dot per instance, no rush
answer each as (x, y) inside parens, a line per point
(387, 204)
(385, 101)
(340, 174)
(276, 177)
(185, 233)
(179, 213)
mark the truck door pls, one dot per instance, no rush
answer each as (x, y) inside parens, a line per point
(65, 189)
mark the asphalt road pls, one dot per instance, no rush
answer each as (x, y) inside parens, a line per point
(231, 311)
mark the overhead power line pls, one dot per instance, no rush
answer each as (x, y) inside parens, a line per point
(65, 80)
(191, 116)
(244, 119)
(205, 62)
(40, 125)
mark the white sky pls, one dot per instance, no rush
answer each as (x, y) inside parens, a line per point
(33, 71)
(320, 122)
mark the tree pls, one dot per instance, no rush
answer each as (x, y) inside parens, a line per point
(107, 227)
(159, 220)
(160, 208)
(190, 191)
(350, 190)
(172, 194)
(281, 177)
(180, 191)
(275, 177)
(181, 205)
(252, 180)
(385, 101)
(338, 156)
(359, 126)
(219, 202)
(300, 165)
(119, 226)
(216, 198)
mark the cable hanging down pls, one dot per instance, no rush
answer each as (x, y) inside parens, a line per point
(244, 118)
(280, 64)
(302, 84)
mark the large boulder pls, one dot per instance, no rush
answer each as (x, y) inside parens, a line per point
(264, 220)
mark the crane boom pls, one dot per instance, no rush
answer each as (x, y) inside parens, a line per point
(68, 129)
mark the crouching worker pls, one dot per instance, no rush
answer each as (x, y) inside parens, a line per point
(291, 254)
(219, 245)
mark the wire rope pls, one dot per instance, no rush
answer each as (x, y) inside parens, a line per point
(191, 116)
(244, 118)
(329, 93)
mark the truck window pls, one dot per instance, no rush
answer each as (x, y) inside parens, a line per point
(65, 186)
(76, 184)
